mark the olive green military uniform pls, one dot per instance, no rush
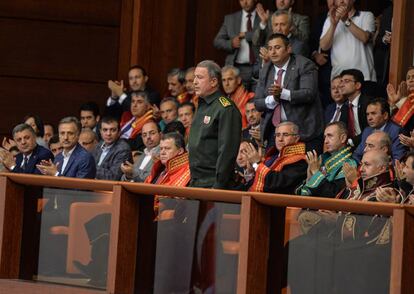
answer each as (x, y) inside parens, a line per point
(214, 142)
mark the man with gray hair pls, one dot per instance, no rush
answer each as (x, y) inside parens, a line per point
(284, 168)
(30, 153)
(378, 140)
(281, 21)
(301, 24)
(88, 139)
(235, 90)
(74, 161)
(215, 132)
(132, 121)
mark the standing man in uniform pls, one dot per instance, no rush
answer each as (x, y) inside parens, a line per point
(215, 132)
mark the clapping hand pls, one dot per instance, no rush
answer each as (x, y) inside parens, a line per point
(399, 170)
(314, 162)
(351, 174)
(127, 169)
(406, 140)
(47, 167)
(253, 156)
(386, 194)
(117, 88)
(263, 15)
(8, 143)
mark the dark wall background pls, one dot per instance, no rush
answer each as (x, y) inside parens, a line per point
(54, 55)
(57, 54)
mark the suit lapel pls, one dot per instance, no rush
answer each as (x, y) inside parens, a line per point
(256, 22)
(31, 163)
(110, 152)
(290, 68)
(237, 22)
(270, 76)
(71, 160)
(98, 152)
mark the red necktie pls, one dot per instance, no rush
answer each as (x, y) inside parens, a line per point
(351, 121)
(277, 113)
(252, 58)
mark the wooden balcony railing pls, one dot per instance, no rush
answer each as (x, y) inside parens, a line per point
(262, 225)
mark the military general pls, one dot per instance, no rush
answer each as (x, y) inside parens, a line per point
(215, 132)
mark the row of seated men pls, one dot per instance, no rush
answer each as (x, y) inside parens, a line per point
(376, 114)
(341, 37)
(115, 162)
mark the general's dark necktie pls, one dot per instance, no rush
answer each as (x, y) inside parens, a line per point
(252, 58)
(277, 113)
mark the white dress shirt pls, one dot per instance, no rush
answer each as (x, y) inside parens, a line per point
(285, 95)
(243, 56)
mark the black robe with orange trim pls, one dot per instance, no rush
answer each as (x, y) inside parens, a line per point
(286, 173)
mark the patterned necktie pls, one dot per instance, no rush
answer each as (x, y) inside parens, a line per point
(337, 114)
(277, 113)
(252, 58)
(351, 120)
(25, 160)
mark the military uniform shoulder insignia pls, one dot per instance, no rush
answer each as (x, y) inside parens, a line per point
(224, 101)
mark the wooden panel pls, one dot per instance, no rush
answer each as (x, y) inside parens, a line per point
(58, 50)
(168, 40)
(408, 58)
(103, 12)
(402, 254)
(254, 247)
(123, 242)
(398, 42)
(60, 182)
(11, 224)
(128, 37)
(50, 99)
(19, 287)
(210, 18)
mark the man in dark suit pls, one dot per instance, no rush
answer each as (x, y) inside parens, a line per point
(235, 38)
(282, 24)
(120, 100)
(140, 170)
(301, 24)
(30, 153)
(337, 111)
(288, 90)
(74, 161)
(111, 152)
(351, 86)
(378, 116)
(382, 48)
(252, 132)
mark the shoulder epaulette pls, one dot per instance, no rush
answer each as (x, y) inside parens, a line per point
(224, 101)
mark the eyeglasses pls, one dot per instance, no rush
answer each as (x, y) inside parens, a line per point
(278, 135)
(347, 81)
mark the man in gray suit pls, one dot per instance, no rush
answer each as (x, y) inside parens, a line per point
(301, 24)
(281, 21)
(288, 91)
(235, 38)
(140, 170)
(111, 152)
